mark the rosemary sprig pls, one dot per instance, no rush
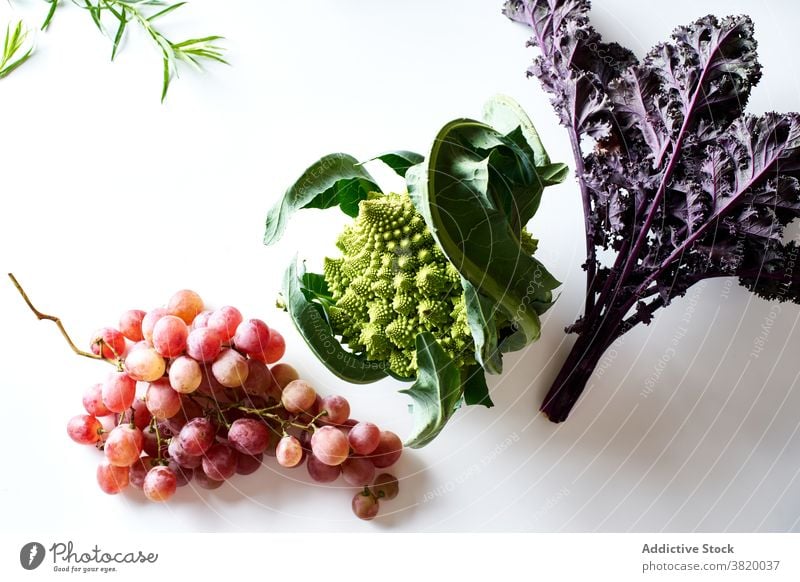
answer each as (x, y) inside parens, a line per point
(15, 41)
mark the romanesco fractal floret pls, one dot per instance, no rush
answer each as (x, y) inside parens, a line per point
(391, 283)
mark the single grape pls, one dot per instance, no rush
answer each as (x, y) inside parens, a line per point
(149, 322)
(251, 337)
(203, 344)
(185, 375)
(336, 409)
(169, 336)
(276, 348)
(320, 472)
(138, 471)
(159, 484)
(224, 321)
(145, 364)
(185, 304)
(205, 481)
(112, 479)
(230, 368)
(389, 449)
(93, 401)
(162, 401)
(84, 429)
(259, 379)
(112, 341)
(123, 446)
(178, 454)
(197, 436)
(298, 396)
(358, 471)
(289, 453)
(247, 464)
(201, 320)
(130, 324)
(219, 462)
(249, 436)
(283, 374)
(141, 416)
(364, 438)
(182, 474)
(330, 445)
(385, 486)
(108, 423)
(365, 506)
(118, 392)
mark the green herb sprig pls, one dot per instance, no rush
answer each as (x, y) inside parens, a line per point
(120, 14)
(14, 43)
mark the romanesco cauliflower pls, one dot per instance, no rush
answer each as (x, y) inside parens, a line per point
(393, 282)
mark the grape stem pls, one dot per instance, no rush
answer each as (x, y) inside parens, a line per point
(154, 425)
(40, 316)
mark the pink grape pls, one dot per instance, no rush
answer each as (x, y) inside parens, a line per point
(205, 481)
(251, 337)
(230, 368)
(130, 324)
(259, 379)
(159, 484)
(219, 462)
(169, 336)
(149, 322)
(364, 438)
(93, 401)
(289, 453)
(224, 321)
(145, 364)
(337, 409)
(247, 464)
(385, 486)
(365, 506)
(182, 474)
(249, 436)
(298, 396)
(113, 343)
(123, 446)
(203, 344)
(185, 304)
(320, 472)
(84, 429)
(162, 401)
(389, 449)
(276, 348)
(201, 320)
(118, 392)
(283, 374)
(141, 416)
(330, 445)
(185, 375)
(358, 471)
(178, 454)
(112, 479)
(197, 436)
(138, 471)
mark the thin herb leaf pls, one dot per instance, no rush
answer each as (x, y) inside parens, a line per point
(13, 43)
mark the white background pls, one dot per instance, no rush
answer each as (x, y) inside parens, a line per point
(113, 201)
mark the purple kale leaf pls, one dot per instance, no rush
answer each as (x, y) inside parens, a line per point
(675, 177)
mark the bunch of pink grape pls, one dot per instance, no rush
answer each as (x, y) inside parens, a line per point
(194, 398)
